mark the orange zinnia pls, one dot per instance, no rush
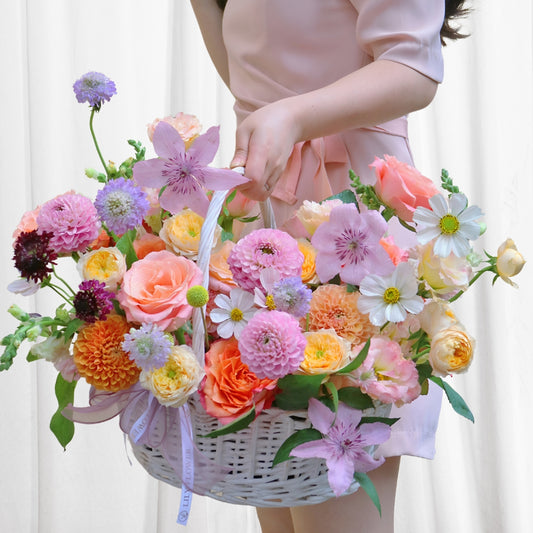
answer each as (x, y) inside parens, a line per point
(99, 356)
(333, 307)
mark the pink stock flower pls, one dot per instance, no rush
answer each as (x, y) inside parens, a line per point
(348, 245)
(73, 221)
(343, 443)
(386, 375)
(264, 248)
(272, 344)
(184, 174)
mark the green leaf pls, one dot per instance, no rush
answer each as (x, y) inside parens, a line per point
(455, 399)
(354, 397)
(125, 245)
(369, 488)
(424, 371)
(72, 327)
(297, 438)
(296, 391)
(358, 361)
(61, 427)
(334, 395)
(382, 419)
(239, 423)
(347, 196)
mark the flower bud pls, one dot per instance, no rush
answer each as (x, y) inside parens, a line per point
(509, 261)
(18, 313)
(33, 332)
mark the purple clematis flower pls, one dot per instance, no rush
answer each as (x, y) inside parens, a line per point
(348, 245)
(184, 174)
(343, 443)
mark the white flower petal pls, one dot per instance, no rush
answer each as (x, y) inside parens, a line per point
(470, 214)
(377, 315)
(424, 216)
(225, 329)
(458, 202)
(219, 315)
(470, 230)
(439, 205)
(223, 302)
(413, 305)
(372, 286)
(443, 246)
(366, 304)
(425, 235)
(460, 246)
(395, 313)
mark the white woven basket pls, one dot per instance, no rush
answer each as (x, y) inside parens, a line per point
(248, 454)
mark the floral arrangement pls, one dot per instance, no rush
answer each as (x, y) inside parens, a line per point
(351, 314)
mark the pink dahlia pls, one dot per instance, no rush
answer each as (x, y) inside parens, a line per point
(272, 344)
(386, 375)
(264, 248)
(73, 221)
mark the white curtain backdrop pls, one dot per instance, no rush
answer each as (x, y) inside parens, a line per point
(480, 127)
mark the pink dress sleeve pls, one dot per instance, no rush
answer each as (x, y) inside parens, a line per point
(404, 31)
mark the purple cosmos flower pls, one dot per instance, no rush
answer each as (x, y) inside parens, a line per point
(148, 346)
(95, 88)
(93, 302)
(121, 205)
(343, 443)
(184, 174)
(292, 296)
(348, 245)
(33, 255)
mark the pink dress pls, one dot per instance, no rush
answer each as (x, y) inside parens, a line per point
(281, 48)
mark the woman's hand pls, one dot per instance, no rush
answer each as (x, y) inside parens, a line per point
(264, 142)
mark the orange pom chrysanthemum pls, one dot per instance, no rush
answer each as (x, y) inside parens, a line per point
(333, 307)
(99, 356)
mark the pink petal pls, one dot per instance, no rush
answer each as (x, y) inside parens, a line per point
(340, 474)
(314, 448)
(219, 179)
(149, 173)
(204, 147)
(167, 141)
(374, 433)
(320, 416)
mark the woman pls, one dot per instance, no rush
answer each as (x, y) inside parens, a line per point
(322, 86)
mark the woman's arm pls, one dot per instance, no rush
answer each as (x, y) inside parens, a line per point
(376, 93)
(209, 17)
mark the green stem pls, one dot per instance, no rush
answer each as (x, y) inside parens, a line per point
(472, 281)
(56, 290)
(64, 283)
(96, 142)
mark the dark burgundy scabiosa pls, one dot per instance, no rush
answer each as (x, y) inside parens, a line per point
(33, 255)
(95, 88)
(93, 302)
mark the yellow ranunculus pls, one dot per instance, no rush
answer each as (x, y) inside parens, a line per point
(325, 352)
(509, 261)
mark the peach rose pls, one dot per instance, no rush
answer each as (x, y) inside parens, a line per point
(230, 389)
(325, 352)
(28, 222)
(241, 205)
(452, 350)
(401, 186)
(154, 290)
(188, 126)
(148, 243)
(396, 254)
(220, 277)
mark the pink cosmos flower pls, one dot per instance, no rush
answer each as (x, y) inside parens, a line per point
(386, 375)
(343, 443)
(73, 221)
(272, 344)
(348, 245)
(264, 248)
(184, 174)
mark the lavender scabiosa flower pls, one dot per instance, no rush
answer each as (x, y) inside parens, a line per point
(121, 205)
(148, 346)
(33, 255)
(184, 173)
(292, 296)
(95, 88)
(93, 302)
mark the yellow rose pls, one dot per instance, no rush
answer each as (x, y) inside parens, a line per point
(509, 261)
(452, 350)
(107, 265)
(177, 380)
(309, 274)
(312, 214)
(325, 352)
(181, 233)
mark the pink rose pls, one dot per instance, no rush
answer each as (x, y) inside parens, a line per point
(402, 187)
(154, 290)
(241, 205)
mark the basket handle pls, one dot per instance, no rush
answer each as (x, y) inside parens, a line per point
(204, 255)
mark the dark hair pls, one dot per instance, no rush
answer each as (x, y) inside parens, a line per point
(454, 10)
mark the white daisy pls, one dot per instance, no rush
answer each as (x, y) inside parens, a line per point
(390, 298)
(233, 312)
(451, 223)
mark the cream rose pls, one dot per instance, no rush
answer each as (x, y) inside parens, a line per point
(509, 261)
(173, 383)
(452, 350)
(107, 265)
(312, 214)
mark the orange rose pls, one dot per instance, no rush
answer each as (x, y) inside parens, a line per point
(154, 290)
(230, 389)
(402, 187)
(220, 276)
(148, 243)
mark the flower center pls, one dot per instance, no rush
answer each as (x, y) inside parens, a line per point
(269, 302)
(119, 204)
(449, 224)
(266, 249)
(391, 295)
(236, 315)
